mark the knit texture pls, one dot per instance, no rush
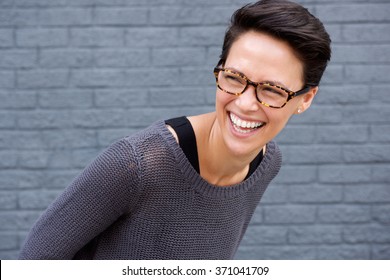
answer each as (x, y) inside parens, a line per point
(142, 199)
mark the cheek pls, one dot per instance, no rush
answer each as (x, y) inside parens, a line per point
(222, 99)
(278, 119)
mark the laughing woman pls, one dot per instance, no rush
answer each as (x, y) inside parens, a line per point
(186, 188)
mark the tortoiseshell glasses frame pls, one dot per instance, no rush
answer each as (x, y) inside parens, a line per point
(266, 92)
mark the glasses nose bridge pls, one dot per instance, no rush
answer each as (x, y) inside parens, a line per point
(250, 83)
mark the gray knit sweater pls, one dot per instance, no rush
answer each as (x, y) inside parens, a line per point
(142, 199)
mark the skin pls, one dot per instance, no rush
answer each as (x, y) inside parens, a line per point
(225, 153)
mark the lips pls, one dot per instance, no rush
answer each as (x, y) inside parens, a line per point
(244, 126)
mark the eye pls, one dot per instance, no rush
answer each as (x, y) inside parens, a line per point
(274, 91)
(231, 78)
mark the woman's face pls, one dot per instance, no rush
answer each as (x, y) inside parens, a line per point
(260, 58)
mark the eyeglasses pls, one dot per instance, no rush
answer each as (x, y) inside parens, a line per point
(268, 94)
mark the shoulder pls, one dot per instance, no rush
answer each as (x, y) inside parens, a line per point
(273, 157)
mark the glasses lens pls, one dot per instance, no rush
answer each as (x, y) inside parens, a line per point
(231, 82)
(272, 95)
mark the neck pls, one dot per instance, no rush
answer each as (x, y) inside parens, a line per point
(217, 165)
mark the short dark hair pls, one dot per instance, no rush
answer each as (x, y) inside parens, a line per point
(289, 22)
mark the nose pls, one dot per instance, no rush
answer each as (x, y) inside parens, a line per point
(247, 101)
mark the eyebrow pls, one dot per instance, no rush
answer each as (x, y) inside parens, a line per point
(274, 82)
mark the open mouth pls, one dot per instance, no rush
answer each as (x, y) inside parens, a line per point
(243, 126)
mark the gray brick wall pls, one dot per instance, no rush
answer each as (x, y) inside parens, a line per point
(77, 74)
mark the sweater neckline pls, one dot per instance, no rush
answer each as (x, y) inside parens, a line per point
(202, 186)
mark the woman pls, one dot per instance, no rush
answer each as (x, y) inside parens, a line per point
(186, 188)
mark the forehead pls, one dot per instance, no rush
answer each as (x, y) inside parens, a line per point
(262, 57)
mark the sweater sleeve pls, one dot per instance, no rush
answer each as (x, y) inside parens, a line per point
(105, 190)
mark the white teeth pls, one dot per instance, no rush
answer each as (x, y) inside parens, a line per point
(244, 124)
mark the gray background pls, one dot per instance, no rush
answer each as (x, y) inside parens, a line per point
(75, 75)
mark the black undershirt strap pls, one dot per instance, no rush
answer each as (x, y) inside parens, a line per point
(187, 139)
(187, 142)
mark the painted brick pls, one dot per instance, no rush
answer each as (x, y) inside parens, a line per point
(40, 3)
(36, 199)
(344, 214)
(367, 234)
(9, 159)
(292, 134)
(44, 119)
(370, 32)
(17, 58)
(265, 234)
(18, 17)
(122, 58)
(292, 214)
(201, 36)
(7, 120)
(312, 154)
(9, 254)
(381, 173)
(12, 220)
(41, 37)
(275, 194)
(11, 139)
(344, 174)
(191, 76)
(177, 97)
(178, 56)
(285, 252)
(18, 99)
(34, 159)
(108, 118)
(7, 3)
(8, 242)
(353, 94)
(377, 96)
(190, 16)
(155, 37)
(370, 153)
(315, 235)
(354, 13)
(367, 193)
(59, 179)
(378, 114)
(334, 74)
(367, 73)
(343, 134)
(97, 37)
(65, 58)
(344, 252)
(320, 114)
(8, 201)
(115, 78)
(66, 98)
(380, 252)
(115, 98)
(121, 16)
(31, 79)
(81, 158)
(361, 53)
(315, 193)
(58, 159)
(380, 213)
(7, 79)
(6, 37)
(335, 31)
(64, 16)
(296, 174)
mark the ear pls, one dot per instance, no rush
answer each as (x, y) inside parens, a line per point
(306, 100)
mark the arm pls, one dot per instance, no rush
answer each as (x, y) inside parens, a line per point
(104, 191)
